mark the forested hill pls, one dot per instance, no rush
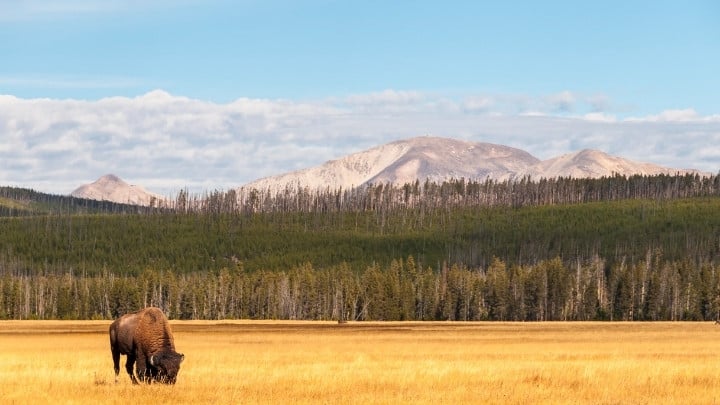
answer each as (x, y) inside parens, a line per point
(450, 251)
(380, 197)
(15, 201)
(128, 244)
(456, 222)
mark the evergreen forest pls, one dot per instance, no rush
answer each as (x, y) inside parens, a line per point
(615, 248)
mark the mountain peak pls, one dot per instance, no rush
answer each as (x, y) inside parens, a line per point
(112, 188)
(439, 159)
(591, 163)
(405, 161)
(110, 178)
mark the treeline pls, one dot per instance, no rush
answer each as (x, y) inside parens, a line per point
(650, 289)
(469, 236)
(452, 194)
(617, 248)
(16, 202)
(382, 198)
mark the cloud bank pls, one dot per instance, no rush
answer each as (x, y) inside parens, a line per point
(167, 143)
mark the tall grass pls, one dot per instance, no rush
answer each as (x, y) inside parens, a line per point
(360, 363)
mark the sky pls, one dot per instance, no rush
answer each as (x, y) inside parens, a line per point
(209, 95)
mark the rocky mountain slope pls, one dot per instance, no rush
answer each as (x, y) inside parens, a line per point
(113, 188)
(405, 161)
(439, 159)
(589, 163)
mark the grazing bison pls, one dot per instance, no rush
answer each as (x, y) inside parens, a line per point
(145, 337)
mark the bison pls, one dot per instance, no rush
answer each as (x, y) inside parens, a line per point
(145, 337)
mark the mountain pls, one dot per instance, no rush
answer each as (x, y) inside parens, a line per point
(112, 188)
(589, 163)
(405, 161)
(439, 159)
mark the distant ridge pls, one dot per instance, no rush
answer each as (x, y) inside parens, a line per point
(112, 188)
(407, 161)
(439, 159)
(589, 163)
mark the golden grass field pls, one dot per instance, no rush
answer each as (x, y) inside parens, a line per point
(234, 362)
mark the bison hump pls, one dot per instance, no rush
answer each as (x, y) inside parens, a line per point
(153, 331)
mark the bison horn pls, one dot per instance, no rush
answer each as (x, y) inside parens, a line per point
(152, 360)
(182, 357)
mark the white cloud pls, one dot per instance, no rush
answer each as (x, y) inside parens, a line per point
(562, 102)
(478, 104)
(598, 102)
(386, 97)
(600, 117)
(165, 142)
(684, 115)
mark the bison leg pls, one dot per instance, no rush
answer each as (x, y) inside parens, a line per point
(141, 366)
(129, 367)
(116, 363)
(152, 373)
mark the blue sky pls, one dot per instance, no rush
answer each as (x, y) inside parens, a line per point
(612, 61)
(647, 56)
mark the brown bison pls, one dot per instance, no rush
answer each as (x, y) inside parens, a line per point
(145, 337)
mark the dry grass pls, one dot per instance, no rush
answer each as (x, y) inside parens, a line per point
(361, 363)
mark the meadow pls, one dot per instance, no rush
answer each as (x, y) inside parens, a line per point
(227, 362)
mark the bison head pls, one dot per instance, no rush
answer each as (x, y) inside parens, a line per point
(167, 364)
